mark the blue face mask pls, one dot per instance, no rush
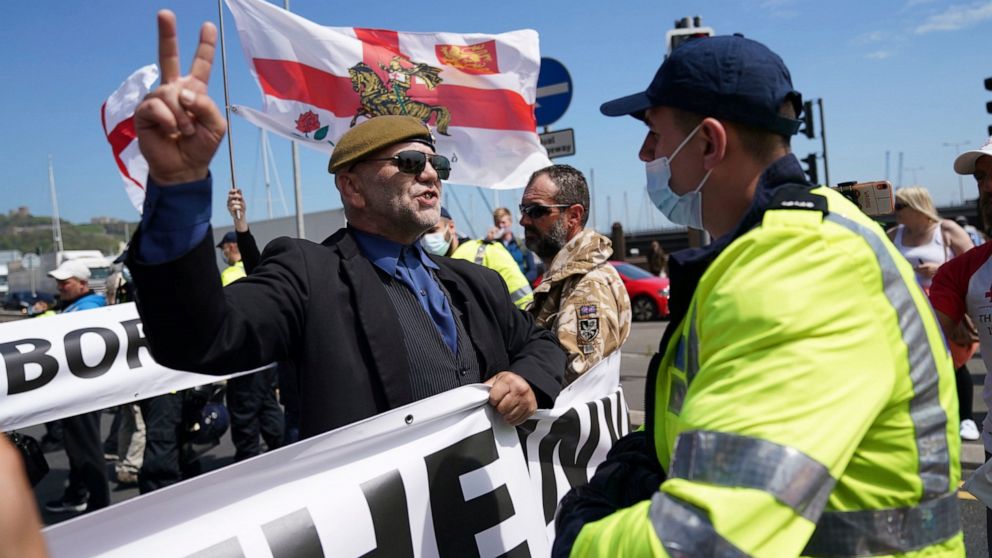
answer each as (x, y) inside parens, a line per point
(686, 209)
(435, 243)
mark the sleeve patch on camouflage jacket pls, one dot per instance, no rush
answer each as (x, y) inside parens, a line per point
(588, 329)
(587, 310)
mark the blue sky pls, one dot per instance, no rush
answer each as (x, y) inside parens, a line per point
(898, 75)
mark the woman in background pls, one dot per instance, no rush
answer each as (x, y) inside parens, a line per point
(928, 241)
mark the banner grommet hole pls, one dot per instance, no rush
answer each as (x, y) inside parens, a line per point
(408, 419)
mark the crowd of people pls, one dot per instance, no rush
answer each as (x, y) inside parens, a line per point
(802, 399)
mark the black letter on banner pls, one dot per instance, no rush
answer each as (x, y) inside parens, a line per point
(293, 535)
(607, 412)
(74, 352)
(17, 381)
(564, 435)
(135, 341)
(230, 548)
(456, 522)
(387, 502)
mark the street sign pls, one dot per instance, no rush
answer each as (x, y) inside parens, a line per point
(560, 143)
(554, 91)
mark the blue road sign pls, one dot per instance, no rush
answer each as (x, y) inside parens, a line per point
(554, 91)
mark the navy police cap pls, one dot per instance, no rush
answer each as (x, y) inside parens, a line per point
(727, 77)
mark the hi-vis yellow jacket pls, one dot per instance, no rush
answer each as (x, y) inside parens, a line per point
(232, 273)
(805, 405)
(496, 257)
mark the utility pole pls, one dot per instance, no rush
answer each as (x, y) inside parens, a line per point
(823, 138)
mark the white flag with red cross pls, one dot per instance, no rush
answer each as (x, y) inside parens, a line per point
(475, 91)
(117, 117)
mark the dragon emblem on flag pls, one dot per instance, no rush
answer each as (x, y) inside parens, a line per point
(380, 97)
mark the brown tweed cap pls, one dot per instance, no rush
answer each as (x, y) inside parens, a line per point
(374, 134)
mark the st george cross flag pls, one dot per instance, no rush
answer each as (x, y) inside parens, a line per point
(117, 116)
(476, 92)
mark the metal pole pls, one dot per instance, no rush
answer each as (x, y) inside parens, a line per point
(58, 247)
(265, 171)
(592, 197)
(227, 100)
(823, 136)
(297, 181)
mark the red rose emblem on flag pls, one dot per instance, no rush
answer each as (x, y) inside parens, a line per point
(308, 122)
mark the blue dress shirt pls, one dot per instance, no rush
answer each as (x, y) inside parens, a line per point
(408, 264)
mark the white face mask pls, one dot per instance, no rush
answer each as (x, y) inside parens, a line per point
(686, 209)
(435, 243)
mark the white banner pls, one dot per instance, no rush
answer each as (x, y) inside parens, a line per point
(440, 477)
(78, 362)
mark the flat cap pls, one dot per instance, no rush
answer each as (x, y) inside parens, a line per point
(374, 134)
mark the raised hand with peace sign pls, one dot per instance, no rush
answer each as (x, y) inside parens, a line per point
(178, 125)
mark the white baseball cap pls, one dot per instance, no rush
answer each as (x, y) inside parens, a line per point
(71, 268)
(965, 163)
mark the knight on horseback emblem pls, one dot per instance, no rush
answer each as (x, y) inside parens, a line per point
(392, 96)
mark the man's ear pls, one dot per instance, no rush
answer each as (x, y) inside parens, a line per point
(348, 184)
(715, 134)
(575, 213)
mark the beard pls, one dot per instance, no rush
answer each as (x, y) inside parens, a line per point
(985, 212)
(547, 246)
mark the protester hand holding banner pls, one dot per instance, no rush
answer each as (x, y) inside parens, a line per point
(74, 363)
(117, 117)
(476, 91)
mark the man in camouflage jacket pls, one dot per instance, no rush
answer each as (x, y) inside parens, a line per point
(581, 297)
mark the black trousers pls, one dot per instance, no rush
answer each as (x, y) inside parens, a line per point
(966, 391)
(254, 410)
(164, 459)
(87, 470)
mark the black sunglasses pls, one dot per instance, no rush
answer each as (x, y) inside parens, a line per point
(414, 162)
(536, 210)
(900, 206)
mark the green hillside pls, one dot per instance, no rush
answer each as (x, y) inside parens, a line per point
(27, 233)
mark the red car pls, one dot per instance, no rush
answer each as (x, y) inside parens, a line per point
(648, 293)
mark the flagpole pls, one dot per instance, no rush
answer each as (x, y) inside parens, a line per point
(227, 100)
(297, 186)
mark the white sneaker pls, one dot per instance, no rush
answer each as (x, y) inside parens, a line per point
(969, 430)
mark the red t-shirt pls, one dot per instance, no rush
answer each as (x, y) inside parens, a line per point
(964, 284)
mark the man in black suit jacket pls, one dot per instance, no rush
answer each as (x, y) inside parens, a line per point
(371, 321)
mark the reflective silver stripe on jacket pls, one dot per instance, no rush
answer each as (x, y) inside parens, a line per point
(929, 418)
(480, 254)
(677, 395)
(792, 477)
(686, 531)
(892, 531)
(692, 349)
(520, 293)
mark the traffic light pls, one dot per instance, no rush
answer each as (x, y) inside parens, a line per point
(810, 169)
(988, 105)
(685, 30)
(807, 118)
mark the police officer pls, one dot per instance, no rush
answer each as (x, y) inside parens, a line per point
(581, 297)
(800, 401)
(442, 240)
